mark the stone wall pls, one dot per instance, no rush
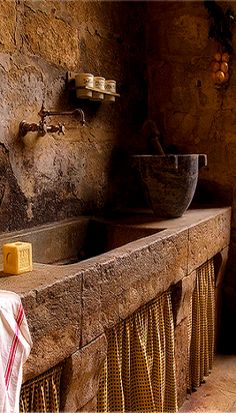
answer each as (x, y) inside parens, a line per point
(193, 115)
(49, 178)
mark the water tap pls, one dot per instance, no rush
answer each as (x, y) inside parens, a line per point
(42, 128)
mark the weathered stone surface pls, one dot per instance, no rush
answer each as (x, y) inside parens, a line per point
(58, 176)
(8, 25)
(220, 262)
(184, 34)
(59, 34)
(182, 297)
(68, 307)
(68, 184)
(81, 377)
(12, 201)
(182, 345)
(206, 238)
(54, 318)
(113, 291)
(91, 406)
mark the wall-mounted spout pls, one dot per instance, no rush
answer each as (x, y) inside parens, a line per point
(42, 128)
(44, 113)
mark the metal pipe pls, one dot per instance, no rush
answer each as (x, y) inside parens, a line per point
(44, 113)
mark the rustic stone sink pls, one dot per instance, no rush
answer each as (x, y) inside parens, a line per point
(170, 181)
(69, 307)
(75, 240)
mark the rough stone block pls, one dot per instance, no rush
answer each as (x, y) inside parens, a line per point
(54, 318)
(220, 263)
(208, 238)
(112, 292)
(91, 406)
(182, 296)
(182, 344)
(80, 377)
(7, 26)
(53, 39)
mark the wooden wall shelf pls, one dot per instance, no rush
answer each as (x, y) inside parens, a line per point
(105, 92)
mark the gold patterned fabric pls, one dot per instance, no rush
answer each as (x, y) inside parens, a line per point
(203, 324)
(42, 394)
(139, 371)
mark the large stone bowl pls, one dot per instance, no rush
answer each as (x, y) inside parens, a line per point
(170, 181)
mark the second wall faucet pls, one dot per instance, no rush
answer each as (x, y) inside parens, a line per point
(42, 128)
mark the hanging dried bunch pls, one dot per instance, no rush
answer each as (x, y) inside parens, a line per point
(220, 68)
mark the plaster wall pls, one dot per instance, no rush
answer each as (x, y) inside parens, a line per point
(45, 179)
(193, 115)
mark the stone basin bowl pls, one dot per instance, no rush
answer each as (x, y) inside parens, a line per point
(170, 181)
(75, 240)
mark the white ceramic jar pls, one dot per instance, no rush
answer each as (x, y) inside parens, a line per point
(110, 86)
(84, 79)
(99, 83)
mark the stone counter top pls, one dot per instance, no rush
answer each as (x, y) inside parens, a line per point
(70, 306)
(43, 276)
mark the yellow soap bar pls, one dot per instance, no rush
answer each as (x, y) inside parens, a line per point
(17, 257)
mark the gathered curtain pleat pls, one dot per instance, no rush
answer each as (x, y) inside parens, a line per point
(42, 394)
(203, 324)
(139, 371)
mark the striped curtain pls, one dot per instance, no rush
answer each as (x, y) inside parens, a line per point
(203, 324)
(139, 371)
(42, 394)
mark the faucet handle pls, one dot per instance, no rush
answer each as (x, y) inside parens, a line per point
(42, 128)
(61, 128)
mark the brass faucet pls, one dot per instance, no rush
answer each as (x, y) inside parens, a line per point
(42, 128)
